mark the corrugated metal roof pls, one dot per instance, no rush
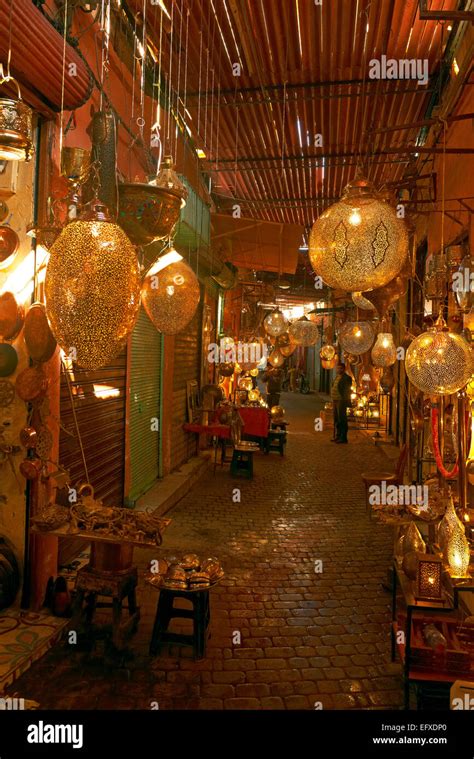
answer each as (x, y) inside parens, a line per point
(304, 72)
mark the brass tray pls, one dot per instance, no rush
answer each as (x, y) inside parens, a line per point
(157, 581)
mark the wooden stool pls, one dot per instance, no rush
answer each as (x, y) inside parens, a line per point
(165, 612)
(276, 441)
(242, 463)
(118, 586)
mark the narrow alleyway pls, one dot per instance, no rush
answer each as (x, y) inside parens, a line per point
(306, 636)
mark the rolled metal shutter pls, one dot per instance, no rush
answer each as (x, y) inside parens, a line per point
(145, 380)
(99, 403)
(187, 366)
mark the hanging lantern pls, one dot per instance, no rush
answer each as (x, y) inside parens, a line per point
(327, 352)
(329, 364)
(384, 352)
(361, 302)
(275, 323)
(16, 132)
(276, 358)
(439, 362)
(284, 340)
(253, 372)
(358, 244)
(458, 553)
(170, 293)
(92, 288)
(245, 383)
(254, 395)
(304, 332)
(356, 337)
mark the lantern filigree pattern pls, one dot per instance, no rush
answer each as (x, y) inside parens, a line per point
(304, 332)
(439, 362)
(275, 323)
(428, 577)
(384, 352)
(92, 289)
(358, 244)
(170, 296)
(327, 352)
(458, 553)
(356, 337)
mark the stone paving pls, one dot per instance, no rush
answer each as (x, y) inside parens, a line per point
(301, 619)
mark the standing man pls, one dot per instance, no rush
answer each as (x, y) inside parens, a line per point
(341, 399)
(273, 377)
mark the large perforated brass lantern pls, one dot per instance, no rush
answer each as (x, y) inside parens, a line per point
(384, 352)
(359, 243)
(458, 553)
(304, 332)
(170, 294)
(15, 127)
(439, 362)
(275, 323)
(356, 337)
(92, 288)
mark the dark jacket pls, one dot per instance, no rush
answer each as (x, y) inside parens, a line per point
(344, 387)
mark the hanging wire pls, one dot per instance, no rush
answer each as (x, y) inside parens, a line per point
(168, 131)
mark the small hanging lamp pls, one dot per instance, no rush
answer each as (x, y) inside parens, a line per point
(384, 352)
(16, 130)
(170, 293)
(304, 332)
(275, 323)
(356, 337)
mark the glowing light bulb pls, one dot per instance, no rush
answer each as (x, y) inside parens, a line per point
(355, 218)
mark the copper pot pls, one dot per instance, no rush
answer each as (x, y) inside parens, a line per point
(31, 384)
(11, 317)
(38, 337)
(9, 242)
(28, 437)
(31, 468)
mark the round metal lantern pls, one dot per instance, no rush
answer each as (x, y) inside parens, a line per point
(439, 362)
(327, 352)
(359, 243)
(275, 323)
(356, 337)
(92, 288)
(304, 332)
(276, 358)
(170, 295)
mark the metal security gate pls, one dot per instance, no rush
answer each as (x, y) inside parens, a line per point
(99, 403)
(187, 366)
(145, 382)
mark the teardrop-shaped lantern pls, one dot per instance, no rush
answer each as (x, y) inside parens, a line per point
(361, 301)
(356, 337)
(458, 553)
(359, 243)
(92, 288)
(275, 323)
(384, 352)
(439, 362)
(304, 332)
(170, 293)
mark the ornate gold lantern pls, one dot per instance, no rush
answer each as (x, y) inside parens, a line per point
(428, 577)
(458, 553)
(439, 362)
(16, 131)
(275, 323)
(327, 352)
(254, 395)
(304, 332)
(384, 352)
(276, 358)
(358, 244)
(356, 337)
(170, 293)
(92, 288)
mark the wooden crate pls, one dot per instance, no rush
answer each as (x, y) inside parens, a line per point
(458, 659)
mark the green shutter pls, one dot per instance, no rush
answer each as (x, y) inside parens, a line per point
(194, 228)
(145, 377)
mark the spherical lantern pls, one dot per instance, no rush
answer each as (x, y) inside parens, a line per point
(275, 323)
(384, 352)
(439, 362)
(170, 293)
(358, 244)
(92, 288)
(304, 332)
(276, 358)
(356, 337)
(327, 352)
(283, 340)
(361, 302)
(254, 395)
(253, 372)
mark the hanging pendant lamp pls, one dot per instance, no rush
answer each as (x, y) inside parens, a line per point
(170, 293)
(356, 337)
(359, 243)
(384, 352)
(439, 362)
(16, 130)
(92, 288)
(275, 323)
(304, 332)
